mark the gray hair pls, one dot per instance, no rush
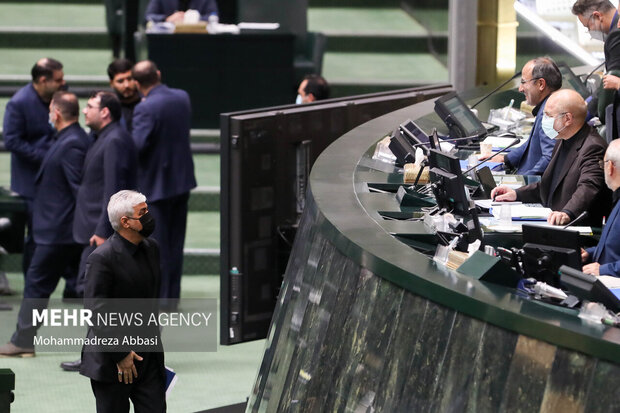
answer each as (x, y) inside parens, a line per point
(121, 205)
(545, 68)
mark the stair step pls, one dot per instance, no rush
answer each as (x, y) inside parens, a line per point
(347, 20)
(52, 14)
(18, 37)
(353, 3)
(195, 262)
(204, 198)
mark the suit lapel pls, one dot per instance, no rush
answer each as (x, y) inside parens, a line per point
(598, 252)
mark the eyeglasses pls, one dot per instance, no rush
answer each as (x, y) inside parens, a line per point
(523, 81)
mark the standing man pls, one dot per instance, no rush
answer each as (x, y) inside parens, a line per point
(126, 266)
(539, 78)
(604, 259)
(600, 17)
(28, 134)
(119, 72)
(161, 126)
(55, 250)
(110, 166)
(574, 181)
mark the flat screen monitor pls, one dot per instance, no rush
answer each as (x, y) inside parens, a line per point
(546, 249)
(457, 116)
(570, 79)
(448, 187)
(402, 148)
(588, 287)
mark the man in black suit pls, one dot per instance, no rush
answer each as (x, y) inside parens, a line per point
(56, 252)
(161, 125)
(126, 266)
(574, 181)
(110, 166)
(28, 134)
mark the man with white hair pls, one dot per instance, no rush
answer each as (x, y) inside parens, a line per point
(604, 259)
(125, 266)
(573, 182)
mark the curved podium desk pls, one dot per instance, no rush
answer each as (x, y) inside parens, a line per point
(366, 323)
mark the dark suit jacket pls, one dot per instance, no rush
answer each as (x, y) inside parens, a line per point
(57, 185)
(161, 124)
(112, 272)
(158, 10)
(607, 252)
(611, 48)
(533, 157)
(110, 165)
(581, 186)
(27, 135)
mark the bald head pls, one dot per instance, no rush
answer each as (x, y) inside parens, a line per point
(569, 110)
(146, 74)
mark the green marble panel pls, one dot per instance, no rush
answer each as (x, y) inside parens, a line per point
(491, 369)
(435, 328)
(408, 327)
(457, 377)
(527, 377)
(568, 382)
(600, 398)
(352, 342)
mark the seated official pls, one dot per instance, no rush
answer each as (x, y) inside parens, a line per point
(311, 89)
(574, 180)
(173, 11)
(604, 259)
(539, 78)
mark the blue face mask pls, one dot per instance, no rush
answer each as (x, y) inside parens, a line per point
(547, 126)
(298, 100)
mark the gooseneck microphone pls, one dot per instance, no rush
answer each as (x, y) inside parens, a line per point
(581, 216)
(485, 97)
(517, 140)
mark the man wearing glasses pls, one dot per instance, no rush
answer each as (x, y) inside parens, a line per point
(604, 259)
(539, 78)
(574, 181)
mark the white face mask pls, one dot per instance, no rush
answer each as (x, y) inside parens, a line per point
(299, 100)
(547, 126)
(597, 35)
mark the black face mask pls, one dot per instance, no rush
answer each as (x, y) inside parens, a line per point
(148, 225)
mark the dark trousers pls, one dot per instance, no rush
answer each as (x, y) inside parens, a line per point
(48, 264)
(147, 393)
(81, 278)
(170, 222)
(29, 240)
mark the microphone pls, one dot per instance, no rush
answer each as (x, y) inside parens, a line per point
(497, 153)
(447, 140)
(581, 216)
(485, 97)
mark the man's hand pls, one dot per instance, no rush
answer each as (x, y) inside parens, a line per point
(584, 255)
(592, 268)
(496, 158)
(96, 240)
(558, 218)
(611, 82)
(176, 17)
(503, 194)
(126, 369)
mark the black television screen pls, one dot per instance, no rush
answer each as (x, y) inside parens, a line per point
(266, 157)
(457, 116)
